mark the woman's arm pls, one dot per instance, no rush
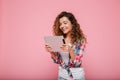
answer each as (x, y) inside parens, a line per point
(54, 55)
(77, 55)
(72, 54)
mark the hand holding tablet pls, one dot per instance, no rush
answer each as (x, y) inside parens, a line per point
(55, 42)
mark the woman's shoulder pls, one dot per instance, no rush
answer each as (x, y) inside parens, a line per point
(80, 42)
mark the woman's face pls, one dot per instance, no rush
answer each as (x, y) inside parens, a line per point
(65, 25)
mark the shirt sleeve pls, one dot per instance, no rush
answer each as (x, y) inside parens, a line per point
(58, 59)
(78, 50)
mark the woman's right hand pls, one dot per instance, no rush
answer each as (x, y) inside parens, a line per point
(48, 48)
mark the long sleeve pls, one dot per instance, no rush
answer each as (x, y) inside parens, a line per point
(78, 50)
(57, 58)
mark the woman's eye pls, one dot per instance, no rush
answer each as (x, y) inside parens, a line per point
(65, 23)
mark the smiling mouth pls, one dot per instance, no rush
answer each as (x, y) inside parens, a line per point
(64, 29)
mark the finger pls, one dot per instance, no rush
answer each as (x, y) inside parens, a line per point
(48, 46)
(61, 47)
(64, 45)
(48, 49)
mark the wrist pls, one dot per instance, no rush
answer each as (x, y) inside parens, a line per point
(70, 50)
(72, 54)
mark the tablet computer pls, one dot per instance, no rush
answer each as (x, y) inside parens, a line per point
(55, 42)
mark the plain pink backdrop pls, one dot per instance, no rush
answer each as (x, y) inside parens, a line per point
(24, 23)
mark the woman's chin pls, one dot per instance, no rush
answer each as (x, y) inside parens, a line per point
(65, 32)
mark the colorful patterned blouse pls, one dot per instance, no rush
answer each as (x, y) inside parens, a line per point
(78, 49)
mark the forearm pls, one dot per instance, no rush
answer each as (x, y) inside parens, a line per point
(72, 54)
(53, 55)
(56, 57)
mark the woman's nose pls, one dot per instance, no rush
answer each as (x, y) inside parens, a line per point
(62, 25)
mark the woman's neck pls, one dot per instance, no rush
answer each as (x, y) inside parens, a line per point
(68, 38)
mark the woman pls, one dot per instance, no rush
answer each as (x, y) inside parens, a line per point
(67, 26)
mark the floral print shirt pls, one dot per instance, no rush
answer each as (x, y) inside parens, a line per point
(78, 49)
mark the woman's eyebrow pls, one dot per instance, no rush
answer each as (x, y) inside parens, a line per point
(64, 21)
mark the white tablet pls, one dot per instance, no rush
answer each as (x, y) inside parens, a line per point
(55, 42)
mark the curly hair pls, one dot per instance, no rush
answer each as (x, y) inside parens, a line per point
(76, 33)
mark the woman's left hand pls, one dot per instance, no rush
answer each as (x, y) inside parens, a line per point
(65, 47)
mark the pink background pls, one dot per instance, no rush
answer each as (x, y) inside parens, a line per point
(24, 23)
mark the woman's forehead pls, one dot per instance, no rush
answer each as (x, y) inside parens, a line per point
(63, 19)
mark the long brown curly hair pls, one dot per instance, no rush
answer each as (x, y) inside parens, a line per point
(76, 33)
